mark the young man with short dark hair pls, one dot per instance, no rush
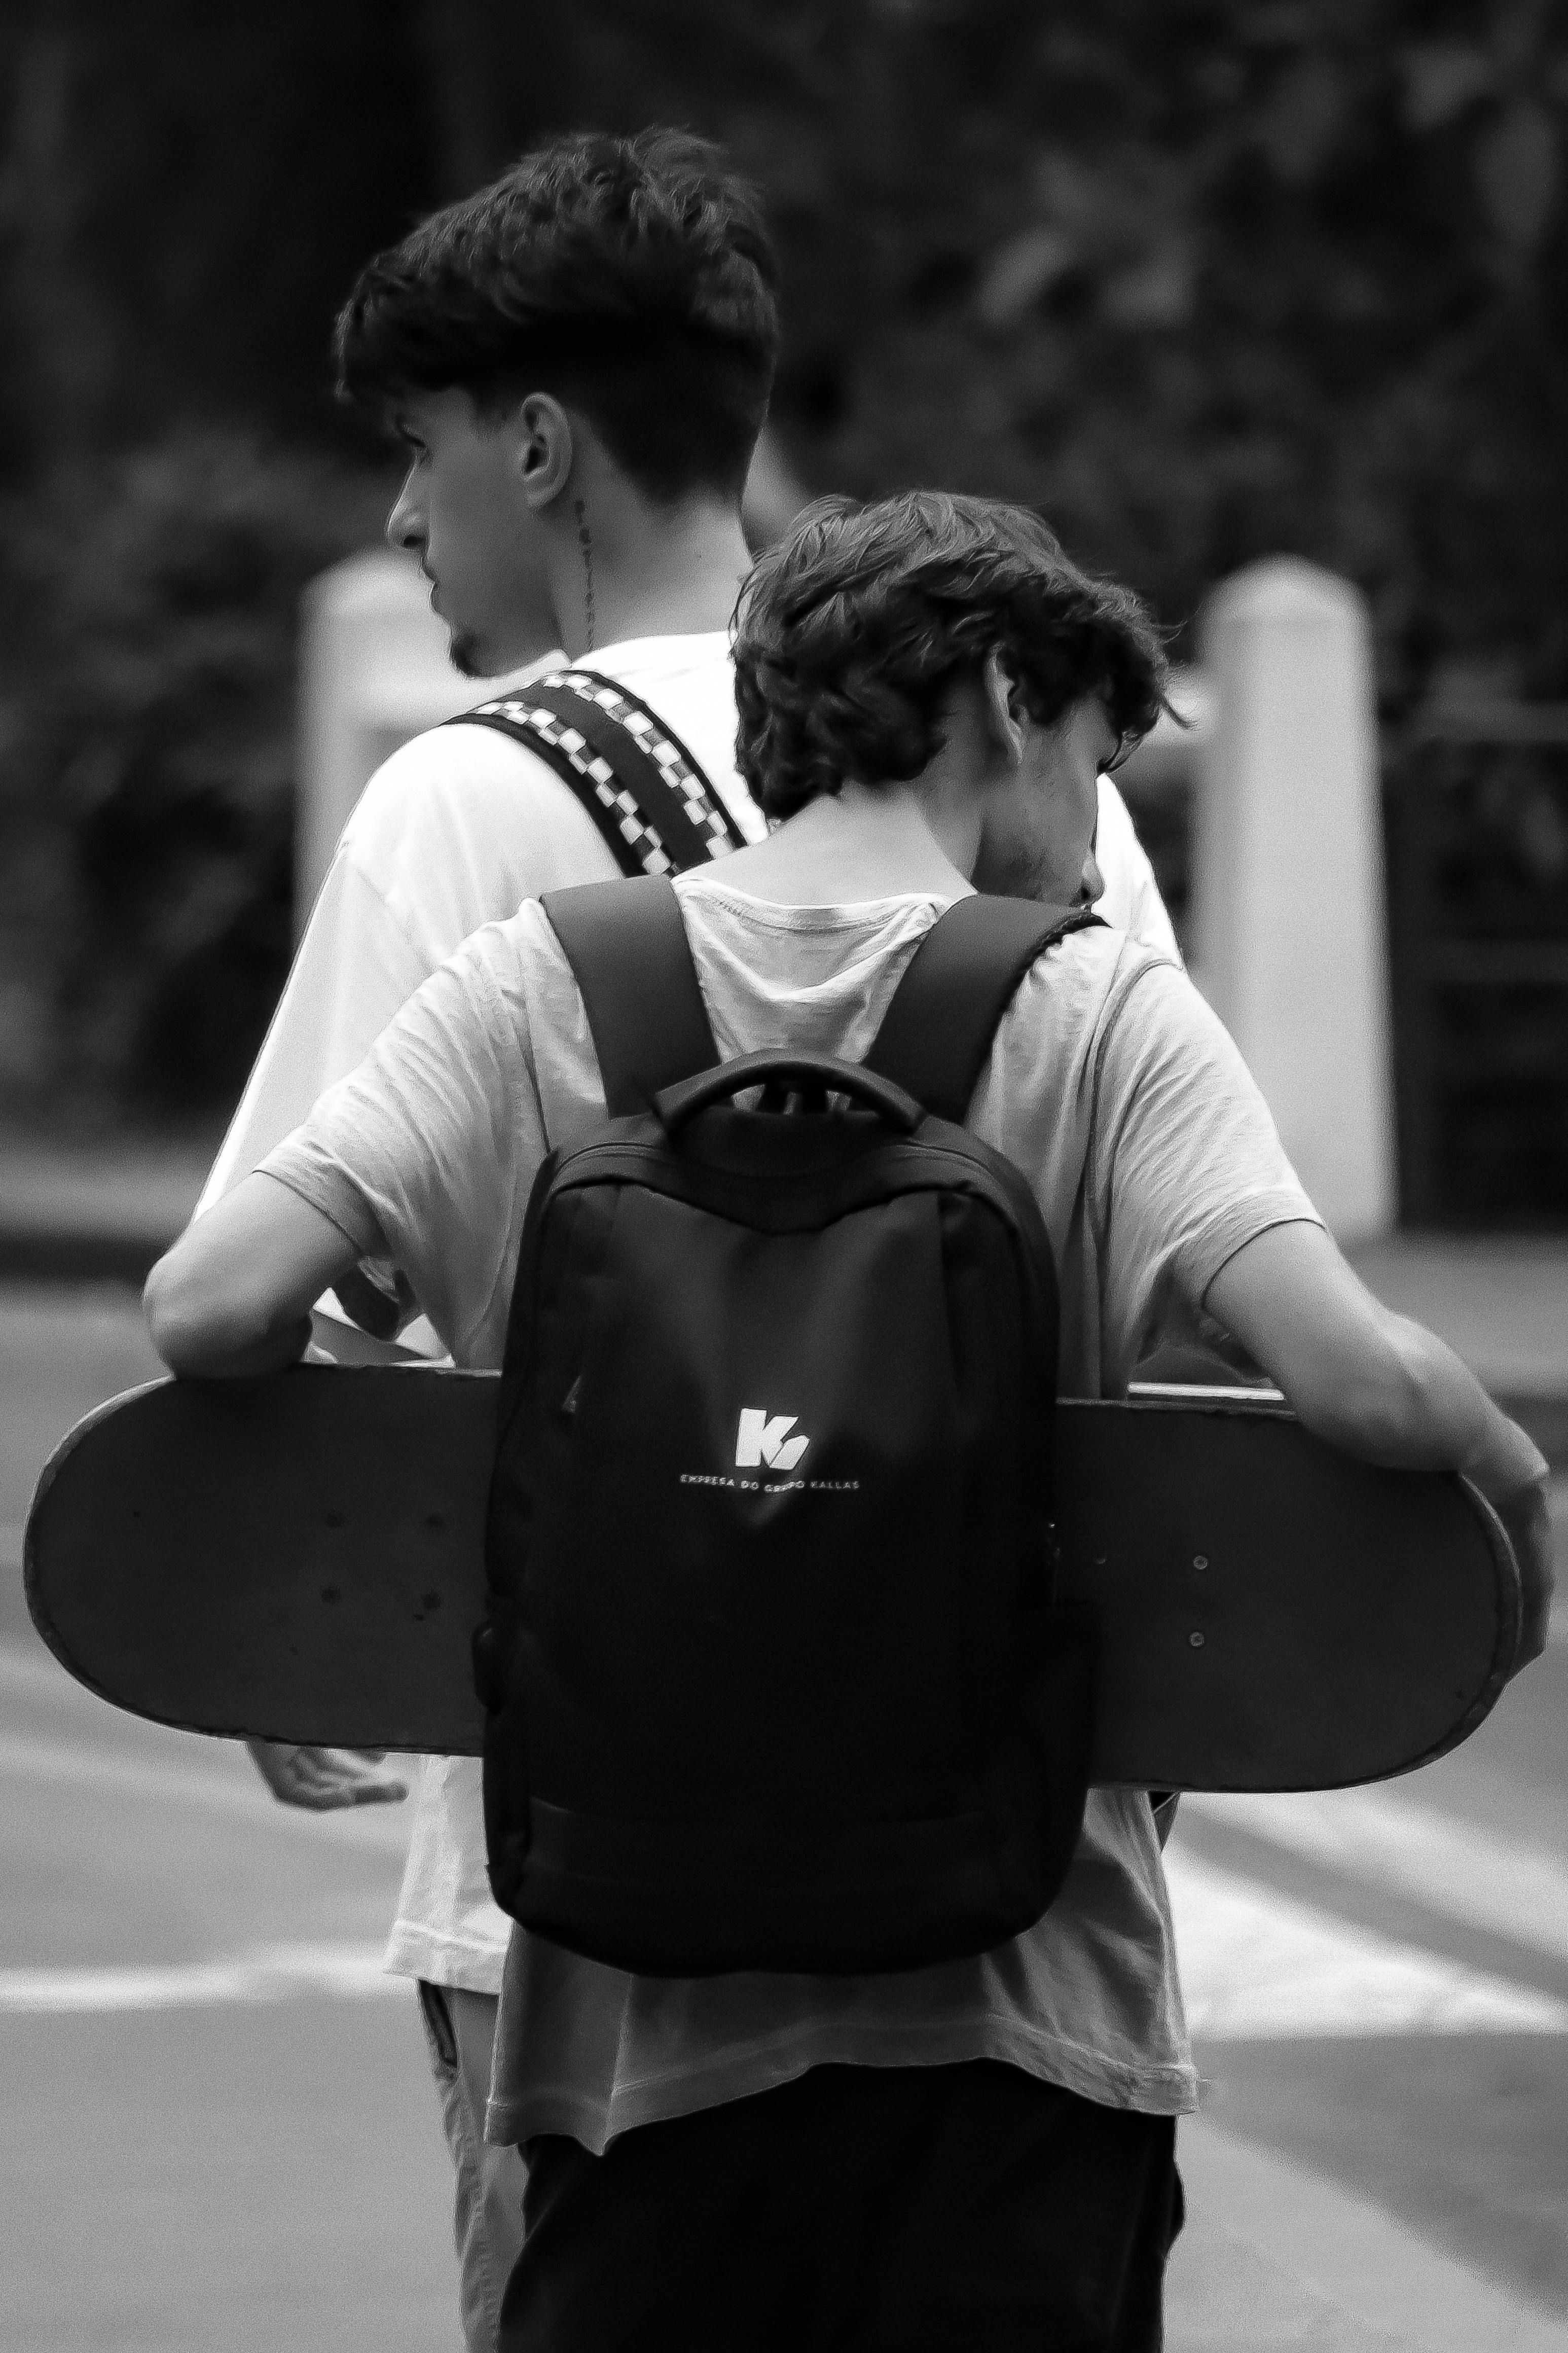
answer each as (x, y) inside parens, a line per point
(577, 361)
(585, 351)
(979, 2154)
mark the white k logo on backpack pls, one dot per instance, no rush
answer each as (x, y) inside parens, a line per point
(760, 1440)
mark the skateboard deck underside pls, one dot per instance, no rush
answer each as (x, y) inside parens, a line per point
(301, 1558)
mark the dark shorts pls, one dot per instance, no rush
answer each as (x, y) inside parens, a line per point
(932, 2209)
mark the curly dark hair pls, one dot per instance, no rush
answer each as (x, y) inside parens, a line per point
(850, 632)
(633, 278)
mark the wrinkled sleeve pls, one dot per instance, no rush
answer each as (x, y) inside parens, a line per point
(425, 1151)
(1187, 1166)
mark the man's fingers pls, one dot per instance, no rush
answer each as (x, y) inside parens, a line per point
(275, 1761)
(377, 1789)
(329, 1777)
(322, 1781)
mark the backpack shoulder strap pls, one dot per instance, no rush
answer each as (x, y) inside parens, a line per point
(937, 1032)
(627, 949)
(652, 803)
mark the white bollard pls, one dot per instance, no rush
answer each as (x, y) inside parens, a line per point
(374, 671)
(1290, 930)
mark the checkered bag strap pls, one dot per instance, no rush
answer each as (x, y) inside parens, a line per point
(650, 800)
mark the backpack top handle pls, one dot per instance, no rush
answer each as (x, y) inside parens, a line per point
(674, 1106)
(936, 1034)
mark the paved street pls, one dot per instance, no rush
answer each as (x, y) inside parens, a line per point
(217, 2133)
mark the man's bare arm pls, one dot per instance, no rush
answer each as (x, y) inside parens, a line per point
(233, 1295)
(1385, 1388)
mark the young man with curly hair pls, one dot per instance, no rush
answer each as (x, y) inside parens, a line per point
(978, 2155)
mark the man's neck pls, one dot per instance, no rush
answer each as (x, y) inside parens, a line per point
(856, 845)
(629, 571)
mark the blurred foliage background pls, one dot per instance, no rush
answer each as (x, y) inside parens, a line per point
(1206, 279)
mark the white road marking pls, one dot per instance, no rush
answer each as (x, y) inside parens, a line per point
(1394, 1844)
(265, 1974)
(1257, 1964)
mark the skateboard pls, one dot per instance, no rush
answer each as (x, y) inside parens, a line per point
(301, 1558)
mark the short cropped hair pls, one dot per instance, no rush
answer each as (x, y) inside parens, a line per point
(631, 278)
(851, 630)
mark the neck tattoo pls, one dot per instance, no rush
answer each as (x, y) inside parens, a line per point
(585, 541)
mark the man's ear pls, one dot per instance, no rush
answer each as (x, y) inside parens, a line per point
(1003, 711)
(542, 449)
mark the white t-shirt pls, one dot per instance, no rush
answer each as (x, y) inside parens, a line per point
(1152, 1157)
(457, 830)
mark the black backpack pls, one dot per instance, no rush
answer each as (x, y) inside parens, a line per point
(775, 1675)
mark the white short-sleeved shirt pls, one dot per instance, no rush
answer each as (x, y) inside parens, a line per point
(1152, 1157)
(454, 831)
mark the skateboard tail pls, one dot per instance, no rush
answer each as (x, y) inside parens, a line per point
(1276, 1615)
(36, 1581)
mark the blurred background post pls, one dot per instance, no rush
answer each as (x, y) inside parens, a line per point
(1288, 931)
